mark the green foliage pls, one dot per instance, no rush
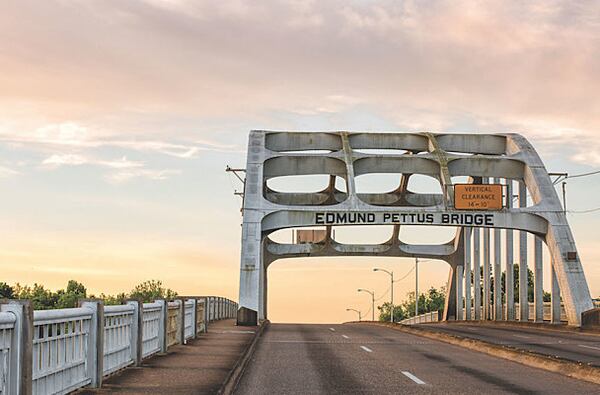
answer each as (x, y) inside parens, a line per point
(151, 290)
(432, 300)
(43, 299)
(6, 291)
(385, 310)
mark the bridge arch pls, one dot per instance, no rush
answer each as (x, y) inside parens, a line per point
(506, 158)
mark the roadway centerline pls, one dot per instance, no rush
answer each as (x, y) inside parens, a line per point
(413, 377)
(345, 337)
(331, 329)
(367, 349)
(522, 337)
(592, 347)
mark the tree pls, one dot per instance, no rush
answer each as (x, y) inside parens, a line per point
(385, 310)
(150, 290)
(68, 298)
(6, 291)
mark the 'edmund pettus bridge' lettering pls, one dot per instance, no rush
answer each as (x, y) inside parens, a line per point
(461, 219)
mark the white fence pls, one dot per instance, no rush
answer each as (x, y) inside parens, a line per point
(59, 351)
(433, 316)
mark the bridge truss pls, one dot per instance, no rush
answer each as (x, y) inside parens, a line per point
(480, 237)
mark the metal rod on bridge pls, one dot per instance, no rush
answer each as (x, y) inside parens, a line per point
(477, 273)
(467, 249)
(509, 280)
(497, 271)
(538, 276)
(523, 274)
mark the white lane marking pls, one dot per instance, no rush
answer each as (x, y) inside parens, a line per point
(413, 378)
(331, 329)
(345, 337)
(592, 347)
(521, 336)
(367, 349)
(234, 331)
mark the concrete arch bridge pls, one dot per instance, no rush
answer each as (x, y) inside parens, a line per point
(508, 195)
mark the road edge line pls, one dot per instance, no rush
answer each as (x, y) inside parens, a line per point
(540, 361)
(235, 374)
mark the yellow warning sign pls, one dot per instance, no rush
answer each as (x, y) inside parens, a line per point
(478, 196)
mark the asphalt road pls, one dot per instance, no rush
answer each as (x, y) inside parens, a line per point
(364, 359)
(574, 346)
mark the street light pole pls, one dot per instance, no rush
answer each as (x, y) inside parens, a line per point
(416, 287)
(391, 291)
(372, 302)
(357, 311)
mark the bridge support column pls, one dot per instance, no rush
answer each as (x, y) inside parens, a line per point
(510, 279)
(497, 272)
(251, 276)
(468, 232)
(458, 279)
(450, 305)
(555, 293)
(486, 275)
(523, 272)
(538, 276)
(477, 272)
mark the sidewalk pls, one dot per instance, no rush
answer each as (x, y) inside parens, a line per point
(200, 367)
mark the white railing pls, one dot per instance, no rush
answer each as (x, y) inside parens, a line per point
(118, 337)
(59, 353)
(189, 318)
(433, 316)
(7, 327)
(62, 350)
(151, 328)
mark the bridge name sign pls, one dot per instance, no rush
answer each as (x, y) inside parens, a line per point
(416, 218)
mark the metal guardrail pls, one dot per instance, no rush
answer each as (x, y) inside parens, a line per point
(59, 351)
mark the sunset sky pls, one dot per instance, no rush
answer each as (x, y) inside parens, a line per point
(117, 119)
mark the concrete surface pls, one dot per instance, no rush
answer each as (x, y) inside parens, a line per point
(361, 359)
(200, 367)
(573, 346)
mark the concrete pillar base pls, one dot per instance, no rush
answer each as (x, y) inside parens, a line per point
(247, 317)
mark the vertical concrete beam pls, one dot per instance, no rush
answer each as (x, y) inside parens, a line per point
(137, 327)
(181, 320)
(95, 346)
(21, 345)
(555, 292)
(523, 274)
(468, 276)
(477, 273)
(458, 278)
(497, 270)
(510, 280)
(450, 305)
(538, 276)
(486, 275)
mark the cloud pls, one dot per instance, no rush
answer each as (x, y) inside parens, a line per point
(6, 172)
(417, 64)
(129, 174)
(58, 160)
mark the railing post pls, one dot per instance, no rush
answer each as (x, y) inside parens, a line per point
(95, 354)
(164, 324)
(181, 320)
(21, 360)
(137, 327)
(206, 313)
(194, 320)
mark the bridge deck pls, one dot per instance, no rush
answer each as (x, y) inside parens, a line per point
(571, 345)
(200, 367)
(369, 359)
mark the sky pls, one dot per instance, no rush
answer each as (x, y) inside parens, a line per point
(117, 119)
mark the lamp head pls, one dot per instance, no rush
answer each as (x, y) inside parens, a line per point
(375, 270)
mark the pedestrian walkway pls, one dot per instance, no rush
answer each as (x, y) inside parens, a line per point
(199, 367)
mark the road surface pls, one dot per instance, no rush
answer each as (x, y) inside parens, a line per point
(574, 346)
(365, 359)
